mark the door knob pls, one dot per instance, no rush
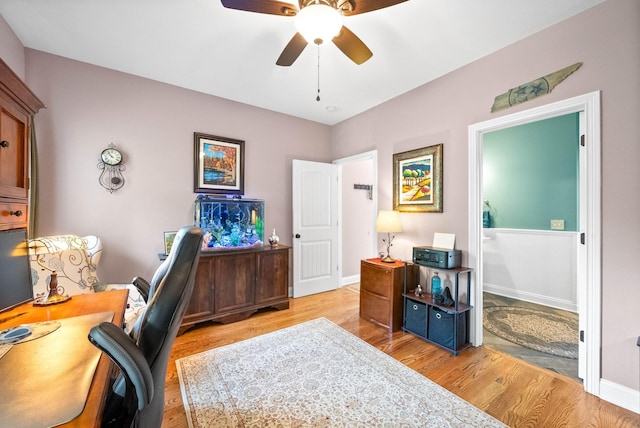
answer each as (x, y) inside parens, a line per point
(297, 235)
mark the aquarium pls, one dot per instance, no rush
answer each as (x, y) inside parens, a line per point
(230, 223)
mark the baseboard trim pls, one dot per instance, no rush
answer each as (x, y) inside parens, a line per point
(620, 395)
(530, 297)
(348, 280)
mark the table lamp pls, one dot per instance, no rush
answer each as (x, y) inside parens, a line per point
(389, 222)
(41, 247)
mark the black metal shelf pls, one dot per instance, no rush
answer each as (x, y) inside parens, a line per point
(424, 306)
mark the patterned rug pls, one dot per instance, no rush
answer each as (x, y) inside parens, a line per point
(314, 374)
(551, 333)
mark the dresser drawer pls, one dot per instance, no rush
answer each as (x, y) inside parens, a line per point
(375, 308)
(13, 215)
(376, 280)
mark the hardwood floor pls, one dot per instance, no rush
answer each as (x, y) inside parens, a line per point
(511, 390)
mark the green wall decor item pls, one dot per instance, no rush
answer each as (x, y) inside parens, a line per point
(536, 88)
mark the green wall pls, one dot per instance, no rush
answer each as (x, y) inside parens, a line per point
(531, 174)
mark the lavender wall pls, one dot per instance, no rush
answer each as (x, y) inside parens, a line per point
(11, 50)
(153, 123)
(606, 39)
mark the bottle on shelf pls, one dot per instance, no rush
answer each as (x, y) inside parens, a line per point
(436, 286)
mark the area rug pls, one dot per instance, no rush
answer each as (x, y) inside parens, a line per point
(314, 374)
(551, 333)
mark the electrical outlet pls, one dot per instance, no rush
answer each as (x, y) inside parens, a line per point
(557, 224)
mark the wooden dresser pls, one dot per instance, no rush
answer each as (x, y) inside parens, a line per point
(381, 286)
(232, 285)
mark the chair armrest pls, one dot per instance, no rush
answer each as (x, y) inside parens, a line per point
(143, 287)
(122, 350)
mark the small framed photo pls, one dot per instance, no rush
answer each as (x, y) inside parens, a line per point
(218, 165)
(168, 241)
(417, 180)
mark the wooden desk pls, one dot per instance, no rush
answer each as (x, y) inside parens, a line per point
(84, 304)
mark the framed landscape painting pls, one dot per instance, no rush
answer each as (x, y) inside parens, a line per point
(168, 241)
(218, 165)
(417, 180)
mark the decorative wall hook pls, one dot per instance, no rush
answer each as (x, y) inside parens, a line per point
(367, 187)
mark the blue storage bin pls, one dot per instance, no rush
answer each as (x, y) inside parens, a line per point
(441, 327)
(416, 317)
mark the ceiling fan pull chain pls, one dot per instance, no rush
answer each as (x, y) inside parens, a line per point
(318, 97)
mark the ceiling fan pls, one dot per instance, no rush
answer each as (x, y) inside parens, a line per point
(316, 22)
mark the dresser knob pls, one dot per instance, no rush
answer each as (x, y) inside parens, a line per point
(4, 143)
(17, 213)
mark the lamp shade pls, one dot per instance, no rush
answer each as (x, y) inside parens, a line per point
(388, 222)
(318, 23)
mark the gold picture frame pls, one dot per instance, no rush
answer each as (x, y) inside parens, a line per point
(417, 180)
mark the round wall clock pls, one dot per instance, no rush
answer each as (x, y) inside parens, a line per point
(111, 156)
(111, 164)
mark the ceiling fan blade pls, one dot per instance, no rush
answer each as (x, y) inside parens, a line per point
(272, 7)
(355, 7)
(292, 51)
(352, 46)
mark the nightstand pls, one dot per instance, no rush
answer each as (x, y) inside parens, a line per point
(381, 286)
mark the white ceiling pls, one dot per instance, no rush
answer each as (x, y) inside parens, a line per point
(200, 45)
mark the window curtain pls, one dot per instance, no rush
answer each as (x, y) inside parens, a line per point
(33, 181)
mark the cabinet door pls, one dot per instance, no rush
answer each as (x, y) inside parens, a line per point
(234, 282)
(201, 303)
(272, 281)
(13, 152)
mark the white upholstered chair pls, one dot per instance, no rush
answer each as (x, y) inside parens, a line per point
(75, 260)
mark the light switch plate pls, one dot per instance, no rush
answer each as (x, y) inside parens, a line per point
(557, 224)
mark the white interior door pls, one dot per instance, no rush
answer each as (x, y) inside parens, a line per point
(316, 266)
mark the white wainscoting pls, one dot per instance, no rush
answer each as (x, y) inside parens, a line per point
(538, 266)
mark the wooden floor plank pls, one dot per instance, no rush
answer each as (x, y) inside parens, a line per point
(511, 390)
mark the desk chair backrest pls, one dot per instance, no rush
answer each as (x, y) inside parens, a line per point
(153, 335)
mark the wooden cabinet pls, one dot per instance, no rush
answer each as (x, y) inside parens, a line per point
(381, 286)
(232, 285)
(17, 104)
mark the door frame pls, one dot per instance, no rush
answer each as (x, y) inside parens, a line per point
(589, 106)
(373, 156)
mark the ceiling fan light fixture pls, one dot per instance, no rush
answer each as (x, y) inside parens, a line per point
(318, 23)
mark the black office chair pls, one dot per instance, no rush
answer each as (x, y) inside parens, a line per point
(137, 395)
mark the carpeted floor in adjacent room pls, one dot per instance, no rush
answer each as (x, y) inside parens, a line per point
(565, 366)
